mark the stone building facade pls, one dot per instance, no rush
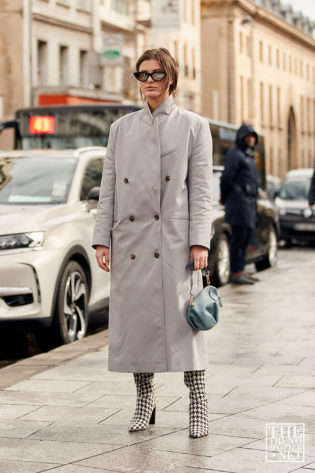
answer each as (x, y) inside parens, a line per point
(258, 66)
(50, 52)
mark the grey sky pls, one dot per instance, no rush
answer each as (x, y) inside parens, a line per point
(307, 7)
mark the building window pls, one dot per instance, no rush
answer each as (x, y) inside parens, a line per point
(302, 118)
(270, 106)
(262, 104)
(193, 12)
(248, 46)
(193, 63)
(42, 62)
(284, 61)
(278, 106)
(301, 68)
(241, 42)
(270, 55)
(307, 72)
(186, 68)
(278, 58)
(249, 99)
(271, 163)
(308, 115)
(261, 51)
(290, 64)
(186, 9)
(120, 6)
(242, 98)
(63, 64)
(296, 66)
(84, 69)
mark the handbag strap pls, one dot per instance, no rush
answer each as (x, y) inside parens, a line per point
(190, 267)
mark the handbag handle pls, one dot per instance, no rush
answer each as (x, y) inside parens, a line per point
(190, 267)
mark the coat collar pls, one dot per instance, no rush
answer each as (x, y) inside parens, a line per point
(163, 109)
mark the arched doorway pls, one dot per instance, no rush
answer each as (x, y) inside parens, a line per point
(292, 155)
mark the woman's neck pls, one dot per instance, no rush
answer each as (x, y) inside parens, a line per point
(155, 103)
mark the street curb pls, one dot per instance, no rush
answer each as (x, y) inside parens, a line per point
(28, 367)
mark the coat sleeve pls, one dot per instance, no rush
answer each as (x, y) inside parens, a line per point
(105, 207)
(200, 188)
(231, 166)
(311, 196)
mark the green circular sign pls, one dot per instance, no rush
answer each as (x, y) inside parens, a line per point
(111, 54)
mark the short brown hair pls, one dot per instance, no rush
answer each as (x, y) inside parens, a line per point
(167, 62)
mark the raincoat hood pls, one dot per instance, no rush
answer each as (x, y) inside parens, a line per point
(243, 131)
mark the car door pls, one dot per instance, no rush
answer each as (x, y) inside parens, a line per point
(91, 177)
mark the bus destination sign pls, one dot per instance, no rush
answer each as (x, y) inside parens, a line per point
(41, 124)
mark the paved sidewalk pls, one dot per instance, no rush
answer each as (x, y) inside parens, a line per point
(64, 412)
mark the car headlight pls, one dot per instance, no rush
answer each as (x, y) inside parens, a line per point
(31, 240)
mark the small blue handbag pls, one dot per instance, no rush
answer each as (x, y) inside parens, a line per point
(203, 309)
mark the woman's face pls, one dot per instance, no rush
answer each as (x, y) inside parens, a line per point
(150, 89)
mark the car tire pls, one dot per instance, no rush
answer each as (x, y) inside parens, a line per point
(71, 311)
(221, 273)
(271, 258)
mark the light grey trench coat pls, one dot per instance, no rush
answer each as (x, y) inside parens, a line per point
(155, 202)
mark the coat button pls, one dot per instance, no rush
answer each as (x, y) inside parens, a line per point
(157, 255)
(126, 180)
(131, 218)
(168, 178)
(132, 256)
(156, 217)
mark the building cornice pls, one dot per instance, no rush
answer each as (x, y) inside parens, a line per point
(261, 15)
(61, 23)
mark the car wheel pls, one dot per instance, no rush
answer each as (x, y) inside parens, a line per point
(271, 258)
(221, 274)
(71, 313)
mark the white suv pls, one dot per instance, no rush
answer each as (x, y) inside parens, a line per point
(48, 270)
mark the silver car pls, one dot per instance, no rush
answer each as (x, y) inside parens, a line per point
(48, 270)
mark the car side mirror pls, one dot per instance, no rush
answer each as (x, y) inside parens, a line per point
(273, 193)
(94, 193)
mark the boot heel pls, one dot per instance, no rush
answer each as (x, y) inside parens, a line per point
(152, 419)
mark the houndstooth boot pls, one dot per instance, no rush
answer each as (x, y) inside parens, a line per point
(146, 402)
(198, 406)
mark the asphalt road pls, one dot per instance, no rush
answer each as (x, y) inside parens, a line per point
(19, 341)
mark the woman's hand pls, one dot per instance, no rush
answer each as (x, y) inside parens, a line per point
(102, 257)
(199, 254)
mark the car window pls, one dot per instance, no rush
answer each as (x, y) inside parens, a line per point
(35, 179)
(295, 189)
(92, 177)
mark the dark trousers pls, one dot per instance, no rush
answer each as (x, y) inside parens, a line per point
(238, 245)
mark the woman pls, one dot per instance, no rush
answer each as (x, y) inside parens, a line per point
(155, 213)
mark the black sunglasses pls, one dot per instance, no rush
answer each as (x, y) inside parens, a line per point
(143, 76)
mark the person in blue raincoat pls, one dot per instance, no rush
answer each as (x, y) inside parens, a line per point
(239, 191)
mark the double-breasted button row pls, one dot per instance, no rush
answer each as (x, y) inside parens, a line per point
(126, 180)
(156, 255)
(131, 218)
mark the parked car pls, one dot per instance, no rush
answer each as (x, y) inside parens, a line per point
(48, 271)
(297, 219)
(263, 250)
(273, 186)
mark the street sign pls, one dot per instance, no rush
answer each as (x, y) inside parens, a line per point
(112, 50)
